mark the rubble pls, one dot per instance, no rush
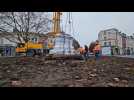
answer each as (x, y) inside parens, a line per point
(16, 83)
(111, 85)
(38, 72)
(116, 79)
(93, 75)
(124, 81)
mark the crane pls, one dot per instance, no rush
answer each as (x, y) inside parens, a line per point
(36, 48)
(32, 48)
(56, 22)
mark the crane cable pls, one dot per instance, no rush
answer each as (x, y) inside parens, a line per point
(73, 29)
(71, 19)
(71, 22)
(66, 23)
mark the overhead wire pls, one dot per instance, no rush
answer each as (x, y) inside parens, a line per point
(69, 25)
(72, 25)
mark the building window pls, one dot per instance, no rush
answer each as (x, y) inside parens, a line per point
(104, 38)
(32, 39)
(35, 39)
(104, 33)
(132, 49)
(1, 41)
(99, 36)
(109, 32)
(105, 43)
(109, 43)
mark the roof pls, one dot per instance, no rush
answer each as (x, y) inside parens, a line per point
(111, 29)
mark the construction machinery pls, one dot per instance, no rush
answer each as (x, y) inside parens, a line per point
(29, 48)
(32, 49)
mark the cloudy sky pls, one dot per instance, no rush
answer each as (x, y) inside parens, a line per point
(88, 24)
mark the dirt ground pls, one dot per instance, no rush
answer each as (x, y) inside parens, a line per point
(38, 72)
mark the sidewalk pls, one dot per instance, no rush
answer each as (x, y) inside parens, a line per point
(126, 56)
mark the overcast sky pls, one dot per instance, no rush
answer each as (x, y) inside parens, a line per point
(88, 24)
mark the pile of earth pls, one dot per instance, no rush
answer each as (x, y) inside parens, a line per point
(38, 72)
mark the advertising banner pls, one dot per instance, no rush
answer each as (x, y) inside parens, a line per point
(106, 50)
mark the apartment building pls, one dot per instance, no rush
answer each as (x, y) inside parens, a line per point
(119, 42)
(130, 45)
(111, 38)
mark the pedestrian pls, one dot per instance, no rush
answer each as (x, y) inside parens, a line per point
(97, 50)
(86, 52)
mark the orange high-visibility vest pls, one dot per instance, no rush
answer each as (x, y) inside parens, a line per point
(97, 48)
(81, 50)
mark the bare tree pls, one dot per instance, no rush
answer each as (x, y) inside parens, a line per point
(18, 25)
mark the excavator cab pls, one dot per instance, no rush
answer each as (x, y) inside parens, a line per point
(51, 44)
(20, 45)
(20, 48)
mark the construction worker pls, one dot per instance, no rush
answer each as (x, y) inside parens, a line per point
(81, 50)
(97, 50)
(86, 52)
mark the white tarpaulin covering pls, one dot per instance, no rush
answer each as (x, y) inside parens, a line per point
(63, 45)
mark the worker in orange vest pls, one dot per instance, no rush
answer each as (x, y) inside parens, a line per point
(97, 50)
(81, 50)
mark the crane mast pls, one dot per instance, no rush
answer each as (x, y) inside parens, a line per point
(56, 22)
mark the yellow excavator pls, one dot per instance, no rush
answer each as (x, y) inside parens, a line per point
(32, 49)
